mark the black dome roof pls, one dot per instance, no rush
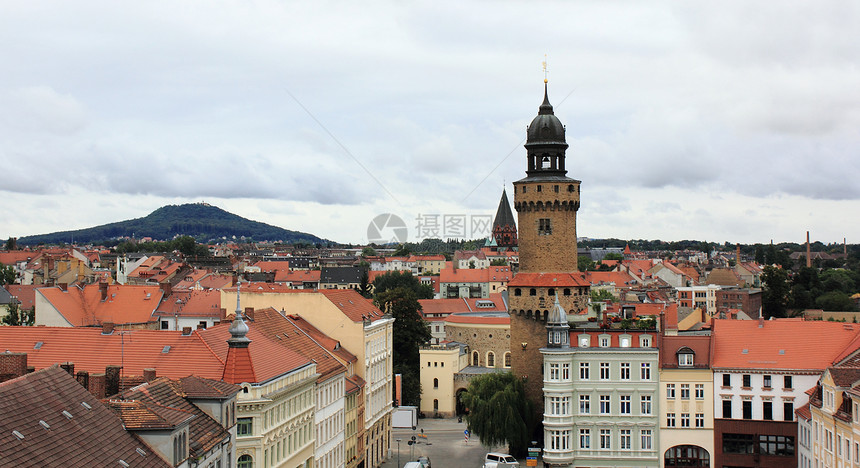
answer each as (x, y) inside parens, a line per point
(545, 127)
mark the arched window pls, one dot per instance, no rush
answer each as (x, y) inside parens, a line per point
(491, 359)
(545, 163)
(532, 292)
(474, 358)
(687, 455)
(567, 291)
(435, 405)
(435, 383)
(508, 359)
(245, 461)
(551, 291)
(518, 292)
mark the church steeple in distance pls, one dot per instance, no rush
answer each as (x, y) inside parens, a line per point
(504, 225)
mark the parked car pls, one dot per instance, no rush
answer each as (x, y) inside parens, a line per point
(414, 464)
(499, 460)
(424, 461)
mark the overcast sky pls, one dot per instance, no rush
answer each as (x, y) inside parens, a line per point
(719, 121)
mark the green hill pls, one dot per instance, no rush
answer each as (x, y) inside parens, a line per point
(199, 220)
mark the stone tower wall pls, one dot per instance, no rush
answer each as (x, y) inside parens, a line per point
(535, 200)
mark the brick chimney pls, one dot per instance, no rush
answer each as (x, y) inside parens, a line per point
(96, 385)
(107, 328)
(63, 286)
(166, 288)
(83, 378)
(249, 313)
(149, 374)
(103, 288)
(12, 365)
(222, 314)
(186, 331)
(68, 367)
(761, 321)
(112, 380)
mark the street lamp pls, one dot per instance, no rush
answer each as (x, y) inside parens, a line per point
(398, 453)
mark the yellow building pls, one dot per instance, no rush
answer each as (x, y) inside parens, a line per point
(362, 329)
(686, 403)
(439, 364)
(831, 436)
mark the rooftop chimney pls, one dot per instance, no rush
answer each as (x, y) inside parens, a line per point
(186, 331)
(166, 288)
(761, 321)
(149, 374)
(12, 365)
(107, 328)
(103, 287)
(68, 367)
(112, 374)
(249, 313)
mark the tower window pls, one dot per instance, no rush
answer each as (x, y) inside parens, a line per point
(544, 226)
(532, 292)
(551, 291)
(545, 163)
(555, 188)
(570, 188)
(539, 188)
(524, 189)
(567, 291)
(518, 292)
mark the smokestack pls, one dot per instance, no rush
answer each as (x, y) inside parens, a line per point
(738, 255)
(845, 248)
(808, 251)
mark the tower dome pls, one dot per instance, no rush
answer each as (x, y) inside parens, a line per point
(545, 127)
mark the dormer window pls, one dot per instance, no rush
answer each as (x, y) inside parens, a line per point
(584, 341)
(686, 357)
(645, 341)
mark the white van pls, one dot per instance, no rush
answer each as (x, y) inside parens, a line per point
(499, 460)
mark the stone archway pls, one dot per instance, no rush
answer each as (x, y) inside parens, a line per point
(460, 407)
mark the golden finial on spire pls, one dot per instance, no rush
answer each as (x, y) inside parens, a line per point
(544, 68)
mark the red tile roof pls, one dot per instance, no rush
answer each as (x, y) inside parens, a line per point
(464, 275)
(26, 294)
(352, 304)
(191, 303)
(93, 436)
(780, 344)
(239, 366)
(15, 256)
(298, 276)
(620, 278)
(123, 303)
(291, 333)
(550, 280)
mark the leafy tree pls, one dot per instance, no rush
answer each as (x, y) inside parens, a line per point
(613, 256)
(402, 251)
(584, 263)
(471, 264)
(17, 316)
(410, 332)
(404, 279)
(775, 291)
(759, 254)
(601, 295)
(839, 280)
(12, 243)
(499, 412)
(836, 301)
(7, 274)
(499, 262)
(368, 252)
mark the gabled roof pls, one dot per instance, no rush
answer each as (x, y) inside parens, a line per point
(699, 345)
(779, 344)
(724, 277)
(167, 398)
(285, 330)
(16, 256)
(90, 435)
(122, 304)
(297, 276)
(464, 275)
(340, 275)
(467, 254)
(191, 303)
(352, 304)
(845, 377)
(620, 278)
(549, 280)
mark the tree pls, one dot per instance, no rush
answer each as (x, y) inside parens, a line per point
(402, 251)
(7, 274)
(836, 301)
(601, 295)
(396, 279)
(759, 254)
(613, 256)
(584, 263)
(12, 243)
(775, 291)
(368, 252)
(410, 332)
(499, 262)
(16, 316)
(499, 412)
(364, 284)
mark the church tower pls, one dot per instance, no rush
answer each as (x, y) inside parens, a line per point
(504, 226)
(546, 201)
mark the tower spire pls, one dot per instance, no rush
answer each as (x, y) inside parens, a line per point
(238, 329)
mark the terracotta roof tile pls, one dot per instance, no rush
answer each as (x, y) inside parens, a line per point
(92, 436)
(123, 303)
(26, 294)
(191, 303)
(742, 344)
(620, 278)
(494, 319)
